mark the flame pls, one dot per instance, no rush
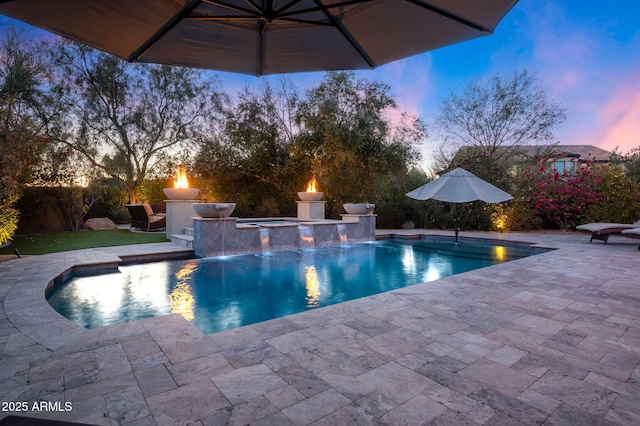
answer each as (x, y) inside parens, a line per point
(181, 179)
(312, 185)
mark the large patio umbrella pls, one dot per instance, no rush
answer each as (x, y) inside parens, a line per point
(264, 36)
(459, 186)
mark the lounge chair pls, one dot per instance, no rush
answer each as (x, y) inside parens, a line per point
(633, 233)
(143, 217)
(602, 230)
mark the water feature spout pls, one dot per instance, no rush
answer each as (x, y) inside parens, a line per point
(265, 239)
(307, 241)
(342, 233)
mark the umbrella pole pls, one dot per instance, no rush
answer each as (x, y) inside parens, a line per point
(455, 222)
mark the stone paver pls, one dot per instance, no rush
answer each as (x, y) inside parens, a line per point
(549, 339)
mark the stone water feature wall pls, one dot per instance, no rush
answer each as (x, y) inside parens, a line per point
(223, 237)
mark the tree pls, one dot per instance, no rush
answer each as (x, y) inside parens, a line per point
(255, 160)
(359, 153)
(121, 115)
(20, 148)
(631, 163)
(274, 141)
(499, 114)
(24, 111)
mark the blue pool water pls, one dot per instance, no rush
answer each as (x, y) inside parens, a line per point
(222, 293)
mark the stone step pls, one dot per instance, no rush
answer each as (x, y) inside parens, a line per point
(188, 231)
(183, 240)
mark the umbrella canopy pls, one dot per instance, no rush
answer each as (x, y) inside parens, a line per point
(264, 36)
(460, 186)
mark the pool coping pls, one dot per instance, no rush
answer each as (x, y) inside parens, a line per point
(25, 303)
(27, 308)
(43, 327)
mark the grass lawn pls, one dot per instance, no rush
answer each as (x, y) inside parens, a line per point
(64, 241)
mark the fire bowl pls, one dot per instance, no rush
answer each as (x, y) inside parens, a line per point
(353, 208)
(310, 196)
(214, 210)
(181, 193)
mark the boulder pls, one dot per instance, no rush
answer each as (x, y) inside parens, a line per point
(100, 224)
(409, 225)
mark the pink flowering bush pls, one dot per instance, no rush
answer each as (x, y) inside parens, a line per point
(595, 193)
(561, 199)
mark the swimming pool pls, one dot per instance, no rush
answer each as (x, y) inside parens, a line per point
(222, 293)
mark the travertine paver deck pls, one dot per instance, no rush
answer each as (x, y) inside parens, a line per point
(549, 339)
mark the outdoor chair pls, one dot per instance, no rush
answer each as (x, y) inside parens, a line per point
(143, 217)
(159, 209)
(633, 233)
(602, 230)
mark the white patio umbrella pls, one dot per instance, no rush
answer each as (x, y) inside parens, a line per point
(264, 36)
(459, 186)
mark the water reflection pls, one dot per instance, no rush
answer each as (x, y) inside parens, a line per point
(312, 284)
(438, 266)
(105, 298)
(142, 286)
(408, 259)
(181, 299)
(500, 253)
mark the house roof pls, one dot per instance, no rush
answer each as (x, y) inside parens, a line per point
(582, 152)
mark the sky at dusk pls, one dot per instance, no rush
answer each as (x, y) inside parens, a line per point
(586, 54)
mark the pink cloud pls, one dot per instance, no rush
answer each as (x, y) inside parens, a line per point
(621, 118)
(410, 81)
(591, 73)
(606, 114)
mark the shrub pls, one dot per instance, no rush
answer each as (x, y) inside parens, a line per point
(8, 223)
(519, 216)
(388, 217)
(594, 193)
(151, 190)
(119, 215)
(105, 196)
(267, 207)
(619, 200)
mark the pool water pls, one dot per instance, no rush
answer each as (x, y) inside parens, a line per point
(271, 222)
(218, 294)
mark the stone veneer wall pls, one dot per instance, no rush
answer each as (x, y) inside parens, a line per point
(222, 237)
